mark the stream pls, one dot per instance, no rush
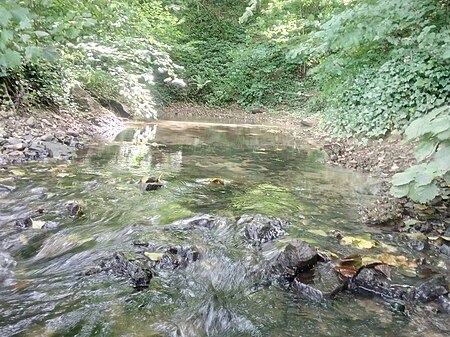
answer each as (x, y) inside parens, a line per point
(45, 289)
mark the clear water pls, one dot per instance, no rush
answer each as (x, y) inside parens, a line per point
(44, 291)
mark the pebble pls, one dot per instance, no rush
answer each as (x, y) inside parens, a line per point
(31, 121)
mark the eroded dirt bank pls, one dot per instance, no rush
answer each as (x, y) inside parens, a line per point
(50, 134)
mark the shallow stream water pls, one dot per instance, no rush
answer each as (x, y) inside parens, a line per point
(43, 287)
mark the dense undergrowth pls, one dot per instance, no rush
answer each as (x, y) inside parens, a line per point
(370, 67)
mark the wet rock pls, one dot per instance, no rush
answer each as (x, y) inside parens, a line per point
(372, 281)
(6, 188)
(59, 151)
(319, 284)
(445, 249)
(74, 209)
(150, 186)
(260, 229)
(308, 291)
(24, 223)
(150, 183)
(296, 257)
(201, 221)
(418, 245)
(138, 273)
(444, 303)
(173, 257)
(431, 290)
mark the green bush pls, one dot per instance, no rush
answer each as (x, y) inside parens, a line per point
(432, 153)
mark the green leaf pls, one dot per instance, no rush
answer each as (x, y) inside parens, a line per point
(400, 191)
(40, 33)
(442, 157)
(447, 177)
(415, 129)
(424, 193)
(424, 149)
(11, 59)
(402, 178)
(424, 177)
(5, 16)
(32, 53)
(50, 54)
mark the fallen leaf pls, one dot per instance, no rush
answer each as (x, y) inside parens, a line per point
(154, 256)
(357, 242)
(346, 271)
(319, 232)
(37, 224)
(384, 268)
(217, 181)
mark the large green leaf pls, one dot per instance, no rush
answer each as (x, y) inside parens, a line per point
(425, 149)
(5, 16)
(403, 178)
(10, 59)
(423, 193)
(400, 191)
(442, 157)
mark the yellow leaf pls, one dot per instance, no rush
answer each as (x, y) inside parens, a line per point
(319, 232)
(357, 242)
(154, 256)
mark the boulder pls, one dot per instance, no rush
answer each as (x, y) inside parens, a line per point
(374, 282)
(320, 284)
(296, 257)
(58, 151)
(137, 272)
(260, 229)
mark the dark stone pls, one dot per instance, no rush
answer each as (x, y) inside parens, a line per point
(177, 257)
(135, 270)
(372, 281)
(444, 303)
(308, 291)
(74, 209)
(115, 107)
(153, 186)
(306, 123)
(418, 245)
(431, 289)
(260, 229)
(24, 223)
(321, 284)
(445, 249)
(297, 257)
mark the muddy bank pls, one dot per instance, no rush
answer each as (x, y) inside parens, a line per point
(43, 134)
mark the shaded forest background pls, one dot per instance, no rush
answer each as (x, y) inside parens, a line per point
(369, 67)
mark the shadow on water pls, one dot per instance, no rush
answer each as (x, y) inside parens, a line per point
(44, 287)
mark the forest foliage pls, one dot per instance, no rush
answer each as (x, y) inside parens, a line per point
(369, 67)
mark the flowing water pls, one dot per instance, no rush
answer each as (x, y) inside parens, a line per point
(44, 289)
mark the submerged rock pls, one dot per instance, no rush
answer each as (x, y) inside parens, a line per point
(296, 257)
(260, 229)
(431, 289)
(320, 284)
(137, 271)
(173, 257)
(372, 281)
(200, 221)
